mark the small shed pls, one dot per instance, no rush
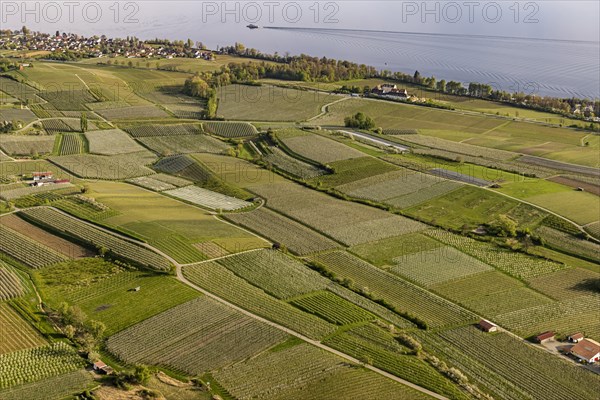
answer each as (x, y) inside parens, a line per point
(38, 176)
(487, 326)
(99, 366)
(102, 368)
(575, 337)
(545, 337)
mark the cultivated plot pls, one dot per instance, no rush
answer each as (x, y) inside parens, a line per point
(347, 222)
(275, 273)
(320, 149)
(207, 198)
(16, 334)
(298, 238)
(111, 142)
(438, 265)
(21, 145)
(533, 371)
(194, 337)
(306, 372)
(219, 280)
(401, 294)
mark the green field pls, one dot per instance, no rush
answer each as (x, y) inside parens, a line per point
(111, 142)
(383, 252)
(26, 250)
(401, 294)
(90, 236)
(116, 167)
(21, 145)
(39, 363)
(167, 145)
(275, 273)
(512, 263)
(317, 148)
(471, 206)
(270, 103)
(563, 317)
(352, 170)
(71, 144)
(113, 301)
(10, 284)
(60, 386)
(296, 237)
(16, 334)
(436, 266)
(566, 259)
(384, 351)
(348, 223)
(332, 308)
(581, 207)
(566, 284)
(230, 130)
(306, 372)
(151, 215)
(570, 244)
(491, 293)
(303, 170)
(395, 187)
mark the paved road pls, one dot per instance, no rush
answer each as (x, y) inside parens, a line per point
(325, 108)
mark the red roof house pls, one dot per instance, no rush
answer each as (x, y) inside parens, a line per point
(544, 337)
(102, 368)
(587, 350)
(487, 326)
(99, 365)
(575, 337)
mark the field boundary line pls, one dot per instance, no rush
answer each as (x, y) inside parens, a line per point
(221, 257)
(82, 81)
(494, 128)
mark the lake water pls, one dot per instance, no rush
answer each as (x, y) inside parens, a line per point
(543, 67)
(558, 68)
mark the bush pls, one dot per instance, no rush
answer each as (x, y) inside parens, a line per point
(409, 342)
(360, 121)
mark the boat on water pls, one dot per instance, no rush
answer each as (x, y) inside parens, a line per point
(252, 26)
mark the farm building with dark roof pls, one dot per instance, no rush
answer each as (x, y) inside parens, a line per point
(544, 337)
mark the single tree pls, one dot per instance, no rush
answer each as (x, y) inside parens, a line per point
(83, 122)
(417, 77)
